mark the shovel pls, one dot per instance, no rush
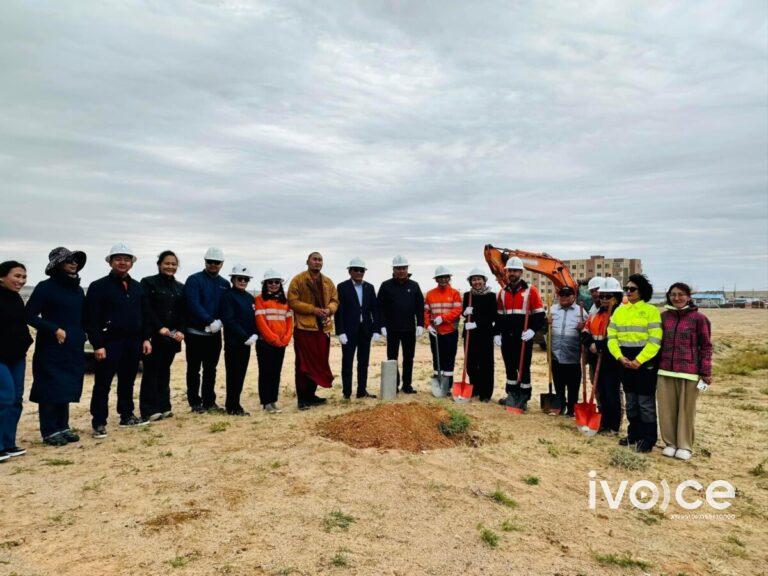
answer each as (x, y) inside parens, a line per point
(587, 417)
(436, 382)
(515, 401)
(462, 390)
(550, 403)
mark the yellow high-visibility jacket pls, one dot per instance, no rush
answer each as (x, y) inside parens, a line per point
(635, 325)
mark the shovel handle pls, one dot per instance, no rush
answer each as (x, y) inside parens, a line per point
(523, 342)
(466, 341)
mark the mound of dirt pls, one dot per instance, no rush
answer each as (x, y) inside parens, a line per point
(412, 427)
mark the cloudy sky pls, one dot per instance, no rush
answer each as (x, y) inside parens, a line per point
(636, 129)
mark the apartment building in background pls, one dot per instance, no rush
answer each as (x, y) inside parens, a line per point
(586, 268)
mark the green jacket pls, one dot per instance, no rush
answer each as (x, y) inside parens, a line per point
(635, 325)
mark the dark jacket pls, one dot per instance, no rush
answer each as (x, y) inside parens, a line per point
(350, 313)
(401, 305)
(483, 313)
(166, 307)
(113, 311)
(15, 339)
(686, 346)
(238, 315)
(57, 369)
(203, 294)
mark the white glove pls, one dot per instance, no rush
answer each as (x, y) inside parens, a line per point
(437, 320)
(343, 339)
(376, 337)
(497, 340)
(419, 331)
(252, 340)
(213, 327)
(384, 332)
(703, 386)
(432, 330)
(470, 325)
(527, 335)
(467, 311)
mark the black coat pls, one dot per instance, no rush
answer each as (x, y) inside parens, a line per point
(483, 313)
(348, 316)
(15, 339)
(57, 369)
(401, 305)
(238, 315)
(166, 308)
(114, 312)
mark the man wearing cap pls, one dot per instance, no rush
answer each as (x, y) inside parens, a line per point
(566, 321)
(401, 308)
(313, 298)
(239, 319)
(115, 309)
(203, 291)
(513, 303)
(357, 322)
(442, 310)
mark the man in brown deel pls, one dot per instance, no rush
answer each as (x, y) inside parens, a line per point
(313, 299)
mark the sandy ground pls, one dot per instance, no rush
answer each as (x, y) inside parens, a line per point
(258, 497)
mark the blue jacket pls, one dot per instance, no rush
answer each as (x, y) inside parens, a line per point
(350, 314)
(57, 369)
(203, 293)
(238, 314)
(113, 312)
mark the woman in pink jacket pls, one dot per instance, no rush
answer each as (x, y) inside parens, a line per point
(684, 370)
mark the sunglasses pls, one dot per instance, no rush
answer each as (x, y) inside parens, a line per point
(630, 289)
(70, 260)
(273, 281)
(240, 279)
(214, 262)
(357, 270)
(605, 296)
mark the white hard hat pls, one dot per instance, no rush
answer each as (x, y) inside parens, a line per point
(477, 272)
(596, 282)
(214, 253)
(442, 271)
(514, 263)
(121, 248)
(610, 285)
(240, 270)
(399, 261)
(272, 274)
(357, 263)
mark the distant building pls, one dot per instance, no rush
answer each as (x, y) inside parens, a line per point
(708, 299)
(584, 269)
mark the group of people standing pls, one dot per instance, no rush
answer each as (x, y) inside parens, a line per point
(127, 321)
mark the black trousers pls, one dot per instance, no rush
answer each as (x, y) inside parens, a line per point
(447, 344)
(640, 396)
(270, 359)
(567, 380)
(408, 341)
(510, 352)
(360, 342)
(480, 364)
(155, 391)
(236, 362)
(609, 394)
(122, 360)
(202, 351)
(53, 418)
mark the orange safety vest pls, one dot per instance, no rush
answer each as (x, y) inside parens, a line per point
(597, 325)
(274, 321)
(446, 303)
(509, 303)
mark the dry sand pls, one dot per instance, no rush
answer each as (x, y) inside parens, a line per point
(268, 495)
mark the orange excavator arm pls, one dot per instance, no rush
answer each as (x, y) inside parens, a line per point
(542, 263)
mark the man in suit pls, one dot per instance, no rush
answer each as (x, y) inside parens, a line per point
(357, 323)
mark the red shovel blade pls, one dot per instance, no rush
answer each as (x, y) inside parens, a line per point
(466, 391)
(586, 416)
(456, 390)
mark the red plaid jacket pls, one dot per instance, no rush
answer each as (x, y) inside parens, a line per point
(686, 345)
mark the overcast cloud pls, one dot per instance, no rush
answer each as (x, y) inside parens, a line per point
(272, 129)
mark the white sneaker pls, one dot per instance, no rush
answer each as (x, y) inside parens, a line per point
(669, 451)
(683, 454)
(277, 410)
